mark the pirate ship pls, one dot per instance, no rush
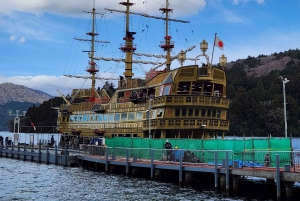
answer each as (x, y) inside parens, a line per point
(182, 102)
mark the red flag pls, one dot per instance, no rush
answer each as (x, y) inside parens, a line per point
(219, 43)
(33, 126)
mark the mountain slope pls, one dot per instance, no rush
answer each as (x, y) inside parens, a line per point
(12, 92)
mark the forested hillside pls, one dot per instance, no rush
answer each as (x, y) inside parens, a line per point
(256, 107)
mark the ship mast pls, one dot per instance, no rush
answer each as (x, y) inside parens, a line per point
(92, 65)
(167, 45)
(128, 47)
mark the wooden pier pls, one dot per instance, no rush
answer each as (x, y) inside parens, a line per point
(225, 176)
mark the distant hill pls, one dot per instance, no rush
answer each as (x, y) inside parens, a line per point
(263, 65)
(17, 97)
(12, 92)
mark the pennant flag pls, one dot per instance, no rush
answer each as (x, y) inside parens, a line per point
(219, 43)
(33, 126)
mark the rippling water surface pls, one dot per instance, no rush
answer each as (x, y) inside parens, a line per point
(22, 180)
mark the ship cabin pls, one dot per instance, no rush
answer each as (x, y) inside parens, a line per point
(187, 102)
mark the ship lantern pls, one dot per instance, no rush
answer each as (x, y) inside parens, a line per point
(182, 57)
(203, 46)
(223, 61)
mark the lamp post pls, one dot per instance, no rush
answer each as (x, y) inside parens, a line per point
(203, 47)
(284, 81)
(17, 121)
(150, 99)
(223, 61)
(182, 57)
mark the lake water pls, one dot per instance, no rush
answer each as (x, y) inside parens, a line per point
(23, 180)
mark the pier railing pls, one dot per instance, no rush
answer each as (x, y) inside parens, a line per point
(266, 158)
(247, 158)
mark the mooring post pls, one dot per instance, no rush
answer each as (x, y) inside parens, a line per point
(65, 155)
(5, 149)
(227, 172)
(180, 167)
(40, 152)
(152, 164)
(11, 151)
(55, 154)
(31, 153)
(47, 154)
(278, 177)
(18, 151)
(127, 161)
(216, 169)
(106, 160)
(1, 149)
(24, 150)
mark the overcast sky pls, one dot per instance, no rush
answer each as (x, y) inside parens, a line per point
(37, 45)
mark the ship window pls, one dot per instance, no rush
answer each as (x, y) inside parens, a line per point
(188, 99)
(208, 113)
(167, 90)
(183, 112)
(218, 113)
(214, 113)
(92, 117)
(190, 112)
(105, 117)
(124, 116)
(79, 118)
(160, 112)
(84, 117)
(153, 114)
(72, 118)
(96, 117)
(160, 90)
(177, 112)
(100, 117)
(169, 99)
(196, 112)
(147, 114)
(75, 118)
(117, 117)
(131, 116)
(203, 112)
(139, 115)
(111, 117)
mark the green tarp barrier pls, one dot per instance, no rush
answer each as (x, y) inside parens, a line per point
(237, 146)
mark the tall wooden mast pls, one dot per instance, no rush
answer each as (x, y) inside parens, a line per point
(128, 47)
(167, 45)
(92, 65)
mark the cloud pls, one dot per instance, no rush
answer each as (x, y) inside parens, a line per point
(71, 7)
(245, 1)
(233, 18)
(22, 39)
(12, 38)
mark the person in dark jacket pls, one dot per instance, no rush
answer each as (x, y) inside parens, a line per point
(168, 146)
(1, 141)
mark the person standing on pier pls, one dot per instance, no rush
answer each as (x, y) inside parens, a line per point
(267, 160)
(168, 146)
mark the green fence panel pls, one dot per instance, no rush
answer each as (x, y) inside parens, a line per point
(280, 144)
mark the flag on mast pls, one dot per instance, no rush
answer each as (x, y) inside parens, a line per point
(219, 43)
